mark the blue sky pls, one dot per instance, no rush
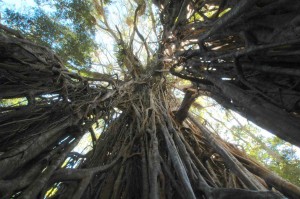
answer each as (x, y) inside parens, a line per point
(18, 5)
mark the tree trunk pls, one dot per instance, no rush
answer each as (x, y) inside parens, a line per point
(244, 54)
(145, 151)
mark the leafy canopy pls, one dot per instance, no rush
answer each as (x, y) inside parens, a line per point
(66, 26)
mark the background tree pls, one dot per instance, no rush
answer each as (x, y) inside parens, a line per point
(277, 155)
(67, 27)
(150, 146)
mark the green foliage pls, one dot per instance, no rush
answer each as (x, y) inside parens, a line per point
(13, 102)
(276, 154)
(66, 26)
(119, 53)
(196, 17)
(224, 12)
(288, 166)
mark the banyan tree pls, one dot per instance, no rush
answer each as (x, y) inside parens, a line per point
(244, 54)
